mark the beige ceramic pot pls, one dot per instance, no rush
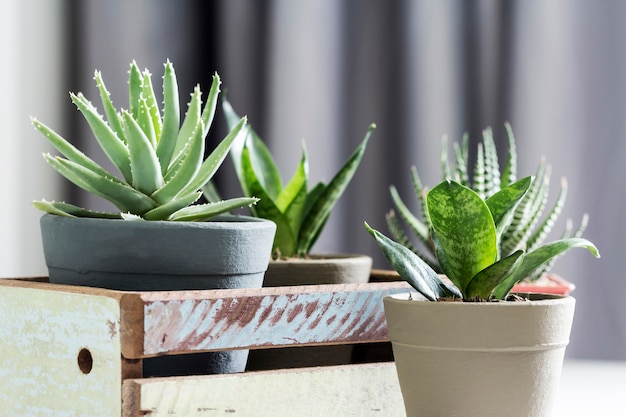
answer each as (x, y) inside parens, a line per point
(314, 270)
(479, 359)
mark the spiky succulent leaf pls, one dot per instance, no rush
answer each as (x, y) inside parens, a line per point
(135, 88)
(69, 210)
(215, 159)
(208, 113)
(171, 118)
(164, 211)
(540, 233)
(108, 140)
(464, 232)
(492, 168)
(202, 212)
(113, 117)
(509, 174)
(125, 197)
(144, 163)
(152, 105)
(415, 224)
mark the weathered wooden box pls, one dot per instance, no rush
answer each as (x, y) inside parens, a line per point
(78, 351)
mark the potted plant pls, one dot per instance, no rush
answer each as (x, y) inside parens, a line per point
(464, 345)
(300, 212)
(528, 229)
(160, 238)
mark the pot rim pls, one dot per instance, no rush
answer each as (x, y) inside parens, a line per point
(535, 299)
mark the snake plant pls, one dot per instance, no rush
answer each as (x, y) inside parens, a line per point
(467, 231)
(300, 213)
(527, 229)
(161, 160)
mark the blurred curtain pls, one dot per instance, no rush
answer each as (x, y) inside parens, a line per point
(322, 70)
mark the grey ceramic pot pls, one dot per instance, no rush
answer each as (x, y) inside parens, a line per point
(226, 252)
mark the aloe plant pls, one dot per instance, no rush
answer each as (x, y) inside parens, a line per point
(467, 231)
(160, 159)
(528, 227)
(300, 213)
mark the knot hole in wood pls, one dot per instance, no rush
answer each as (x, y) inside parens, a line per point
(85, 361)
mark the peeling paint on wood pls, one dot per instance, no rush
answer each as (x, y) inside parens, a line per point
(324, 314)
(60, 354)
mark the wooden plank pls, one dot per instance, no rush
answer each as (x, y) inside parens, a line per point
(350, 390)
(60, 353)
(130, 305)
(189, 321)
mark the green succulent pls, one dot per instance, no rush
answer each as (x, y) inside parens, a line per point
(161, 161)
(300, 213)
(527, 229)
(467, 231)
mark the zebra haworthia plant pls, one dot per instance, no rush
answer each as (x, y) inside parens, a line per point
(467, 231)
(526, 230)
(161, 160)
(300, 213)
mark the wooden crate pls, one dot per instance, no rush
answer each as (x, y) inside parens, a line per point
(78, 351)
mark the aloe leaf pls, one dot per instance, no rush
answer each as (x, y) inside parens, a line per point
(503, 203)
(110, 143)
(144, 163)
(413, 269)
(144, 120)
(483, 283)
(70, 151)
(135, 87)
(265, 169)
(539, 256)
(171, 118)
(319, 212)
(509, 174)
(285, 237)
(70, 210)
(151, 102)
(183, 173)
(113, 117)
(208, 113)
(164, 211)
(415, 224)
(463, 231)
(202, 212)
(215, 159)
(123, 196)
(191, 121)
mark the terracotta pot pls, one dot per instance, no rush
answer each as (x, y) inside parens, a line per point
(315, 270)
(548, 284)
(227, 252)
(479, 359)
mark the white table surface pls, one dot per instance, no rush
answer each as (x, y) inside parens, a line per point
(592, 389)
